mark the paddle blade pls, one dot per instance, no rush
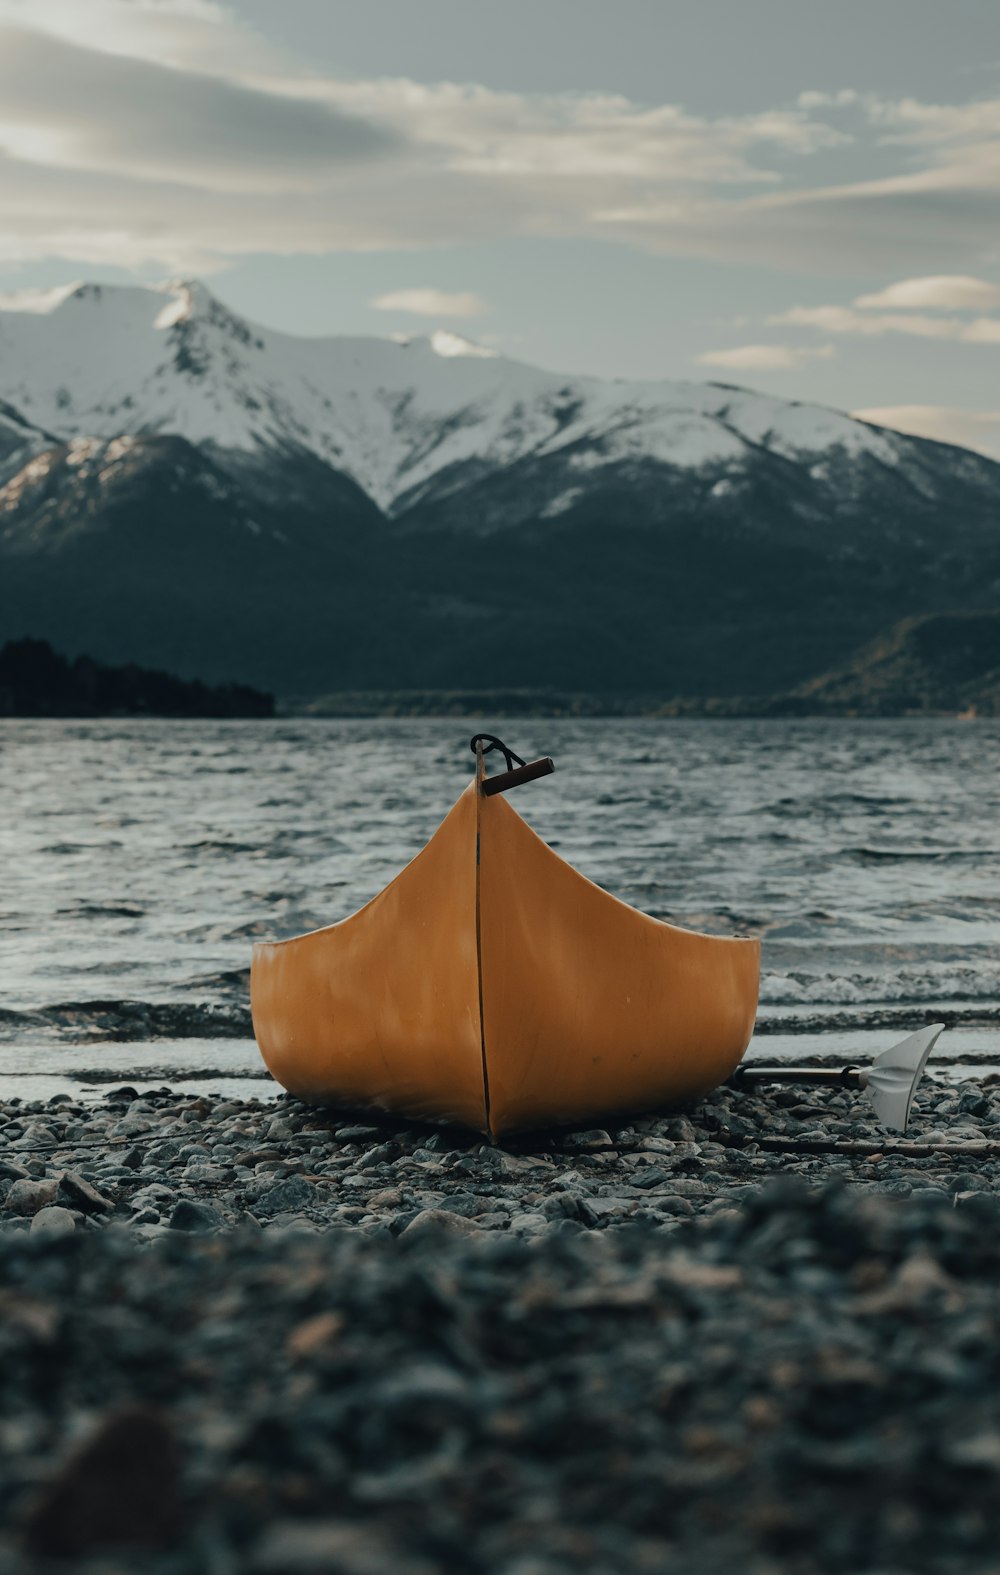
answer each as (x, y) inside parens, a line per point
(892, 1078)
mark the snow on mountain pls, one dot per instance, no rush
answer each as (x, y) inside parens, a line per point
(186, 489)
(396, 415)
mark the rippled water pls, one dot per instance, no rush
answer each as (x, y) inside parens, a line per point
(140, 859)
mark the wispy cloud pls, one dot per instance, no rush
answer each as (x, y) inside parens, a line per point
(766, 358)
(168, 132)
(425, 302)
(867, 324)
(78, 109)
(975, 429)
(198, 34)
(943, 292)
(844, 98)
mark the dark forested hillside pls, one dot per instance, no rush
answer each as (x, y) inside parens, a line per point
(36, 681)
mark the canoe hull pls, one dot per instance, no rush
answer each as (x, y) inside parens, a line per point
(382, 1010)
(493, 985)
(590, 1007)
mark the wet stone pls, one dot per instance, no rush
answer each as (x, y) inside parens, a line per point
(595, 1138)
(145, 1216)
(192, 1216)
(294, 1194)
(26, 1197)
(77, 1193)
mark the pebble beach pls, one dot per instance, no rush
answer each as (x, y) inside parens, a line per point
(761, 1333)
(237, 1334)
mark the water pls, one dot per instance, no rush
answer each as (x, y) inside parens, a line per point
(141, 859)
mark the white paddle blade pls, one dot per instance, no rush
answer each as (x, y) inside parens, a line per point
(892, 1078)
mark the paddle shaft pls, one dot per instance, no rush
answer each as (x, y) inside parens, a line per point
(849, 1075)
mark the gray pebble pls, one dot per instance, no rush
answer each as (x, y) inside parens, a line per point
(440, 1220)
(53, 1221)
(292, 1195)
(320, 1547)
(192, 1216)
(78, 1193)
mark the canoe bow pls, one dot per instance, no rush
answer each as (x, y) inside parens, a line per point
(493, 985)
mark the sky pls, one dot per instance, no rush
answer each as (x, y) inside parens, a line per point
(790, 195)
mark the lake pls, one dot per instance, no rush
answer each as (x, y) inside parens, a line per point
(141, 859)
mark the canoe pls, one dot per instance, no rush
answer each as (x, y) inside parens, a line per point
(493, 985)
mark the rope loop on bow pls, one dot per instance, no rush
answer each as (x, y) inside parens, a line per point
(490, 742)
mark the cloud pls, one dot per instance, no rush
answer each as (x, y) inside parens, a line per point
(197, 34)
(843, 99)
(975, 429)
(78, 109)
(909, 122)
(939, 210)
(846, 320)
(167, 133)
(423, 302)
(945, 292)
(766, 358)
(598, 138)
(151, 102)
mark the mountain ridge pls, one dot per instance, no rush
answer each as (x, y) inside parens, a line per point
(184, 488)
(104, 360)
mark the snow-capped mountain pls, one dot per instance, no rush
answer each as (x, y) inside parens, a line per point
(394, 415)
(290, 495)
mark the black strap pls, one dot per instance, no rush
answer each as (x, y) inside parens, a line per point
(489, 742)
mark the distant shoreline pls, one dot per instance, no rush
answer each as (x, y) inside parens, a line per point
(936, 666)
(371, 710)
(368, 705)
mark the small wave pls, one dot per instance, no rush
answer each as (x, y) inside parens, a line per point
(79, 847)
(221, 845)
(928, 983)
(229, 979)
(853, 801)
(870, 855)
(102, 910)
(78, 1021)
(906, 1019)
(155, 1069)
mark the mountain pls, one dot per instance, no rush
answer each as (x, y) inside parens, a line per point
(184, 488)
(20, 440)
(946, 662)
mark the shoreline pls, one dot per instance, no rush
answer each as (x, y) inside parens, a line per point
(325, 1342)
(230, 1067)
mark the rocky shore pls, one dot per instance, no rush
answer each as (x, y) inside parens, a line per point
(761, 1333)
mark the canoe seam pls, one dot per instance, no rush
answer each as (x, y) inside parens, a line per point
(479, 964)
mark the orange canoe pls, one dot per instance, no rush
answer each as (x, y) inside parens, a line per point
(493, 985)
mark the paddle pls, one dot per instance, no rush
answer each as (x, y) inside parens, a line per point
(890, 1081)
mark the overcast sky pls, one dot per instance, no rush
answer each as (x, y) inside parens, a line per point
(789, 194)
